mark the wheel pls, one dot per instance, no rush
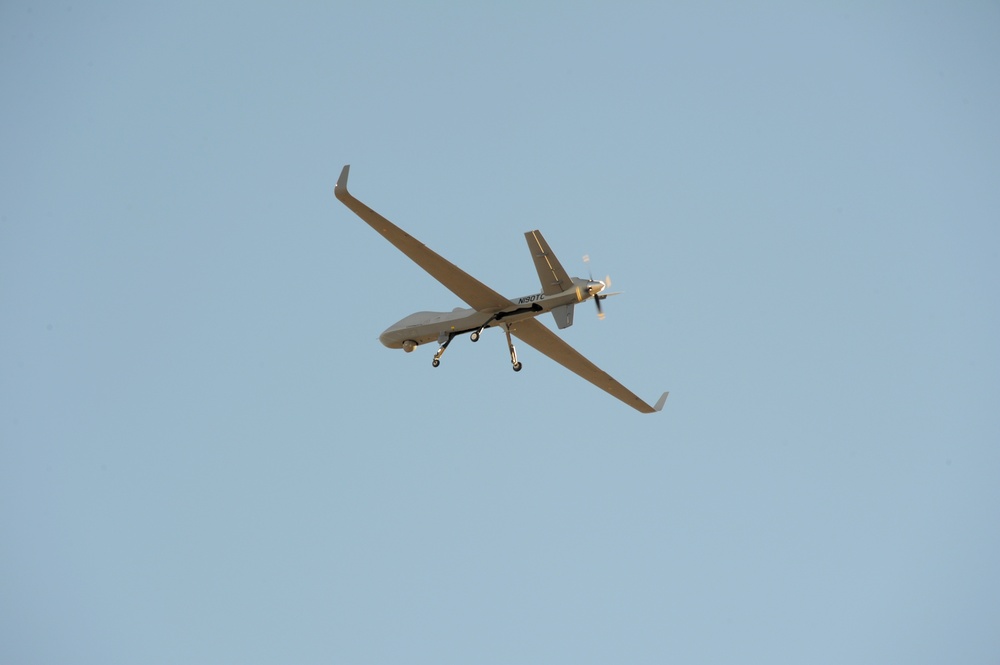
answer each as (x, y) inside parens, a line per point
(517, 367)
(435, 362)
(474, 336)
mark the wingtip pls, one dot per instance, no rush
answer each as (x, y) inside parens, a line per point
(341, 188)
(660, 402)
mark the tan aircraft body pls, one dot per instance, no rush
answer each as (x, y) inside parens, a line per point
(487, 309)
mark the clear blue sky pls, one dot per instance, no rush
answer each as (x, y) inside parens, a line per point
(207, 457)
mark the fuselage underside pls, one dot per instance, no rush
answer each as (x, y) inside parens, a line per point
(426, 327)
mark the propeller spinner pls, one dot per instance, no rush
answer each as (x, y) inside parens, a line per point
(596, 287)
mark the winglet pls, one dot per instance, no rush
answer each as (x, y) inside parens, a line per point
(341, 189)
(660, 402)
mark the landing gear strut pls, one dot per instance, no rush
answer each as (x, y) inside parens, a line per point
(476, 333)
(440, 352)
(510, 345)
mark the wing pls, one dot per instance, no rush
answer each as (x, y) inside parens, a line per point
(463, 285)
(533, 333)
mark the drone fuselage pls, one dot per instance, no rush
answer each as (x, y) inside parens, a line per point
(426, 327)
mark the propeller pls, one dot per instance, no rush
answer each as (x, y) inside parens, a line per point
(606, 284)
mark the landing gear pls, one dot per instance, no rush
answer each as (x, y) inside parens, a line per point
(513, 354)
(445, 341)
(476, 333)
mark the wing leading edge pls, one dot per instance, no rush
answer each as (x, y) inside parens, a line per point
(534, 334)
(459, 282)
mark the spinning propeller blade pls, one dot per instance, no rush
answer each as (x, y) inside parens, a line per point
(597, 296)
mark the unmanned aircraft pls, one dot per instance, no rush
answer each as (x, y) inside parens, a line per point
(559, 295)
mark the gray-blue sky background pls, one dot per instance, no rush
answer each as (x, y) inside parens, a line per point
(206, 455)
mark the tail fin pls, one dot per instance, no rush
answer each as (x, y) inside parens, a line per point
(563, 315)
(551, 274)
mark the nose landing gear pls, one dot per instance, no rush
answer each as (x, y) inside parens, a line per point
(440, 352)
